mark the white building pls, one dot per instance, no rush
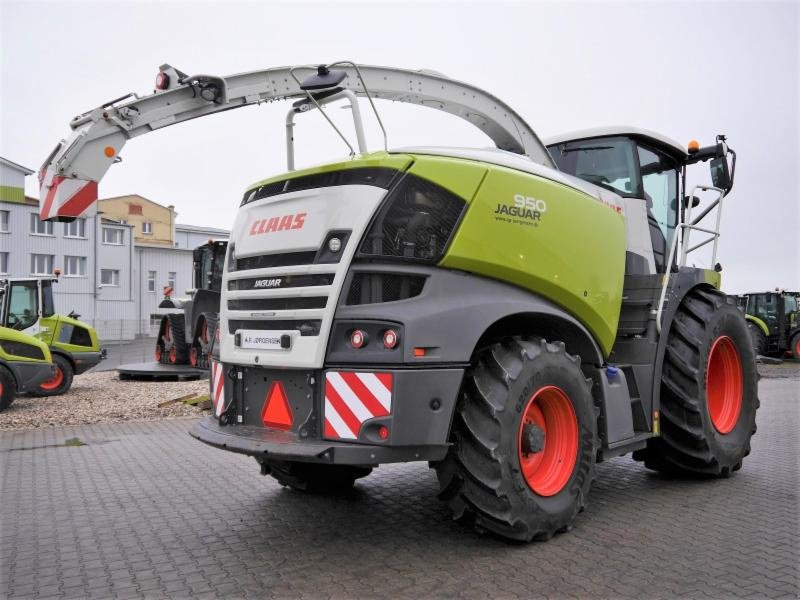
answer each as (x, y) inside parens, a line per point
(107, 276)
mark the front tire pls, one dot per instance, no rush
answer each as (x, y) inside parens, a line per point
(524, 441)
(60, 383)
(757, 339)
(8, 389)
(795, 346)
(314, 478)
(709, 391)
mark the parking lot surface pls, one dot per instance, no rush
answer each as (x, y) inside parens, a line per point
(143, 510)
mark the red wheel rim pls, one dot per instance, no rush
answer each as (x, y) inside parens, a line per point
(724, 384)
(173, 355)
(548, 471)
(53, 383)
(193, 357)
(204, 332)
(797, 348)
(158, 353)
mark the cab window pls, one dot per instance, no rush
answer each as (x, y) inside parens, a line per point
(660, 184)
(608, 162)
(22, 305)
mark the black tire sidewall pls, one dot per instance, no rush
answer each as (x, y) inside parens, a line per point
(730, 448)
(554, 369)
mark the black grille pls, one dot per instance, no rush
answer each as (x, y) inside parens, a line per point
(22, 349)
(277, 303)
(377, 176)
(265, 261)
(371, 288)
(280, 282)
(416, 222)
(306, 327)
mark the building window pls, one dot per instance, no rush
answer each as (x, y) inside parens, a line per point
(3, 263)
(75, 266)
(76, 229)
(109, 277)
(4, 221)
(134, 209)
(147, 227)
(151, 281)
(171, 279)
(39, 227)
(112, 236)
(42, 264)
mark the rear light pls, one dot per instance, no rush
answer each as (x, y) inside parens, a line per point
(390, 339)
(358, 338)
(383, 432)
(162, 81)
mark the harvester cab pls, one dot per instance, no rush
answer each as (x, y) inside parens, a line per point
(27, 305)
(511, 315)
(185, 337)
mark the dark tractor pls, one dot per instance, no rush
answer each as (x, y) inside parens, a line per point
(200, 311)
(773, 319)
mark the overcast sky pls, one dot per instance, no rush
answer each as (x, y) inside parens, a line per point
(687, 70)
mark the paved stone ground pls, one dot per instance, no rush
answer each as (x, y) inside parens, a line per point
(143, 510)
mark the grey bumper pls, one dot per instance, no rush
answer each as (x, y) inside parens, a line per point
(86, 360)
(283, 445)
(30, 375)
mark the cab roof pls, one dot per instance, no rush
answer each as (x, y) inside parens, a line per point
(658, 140)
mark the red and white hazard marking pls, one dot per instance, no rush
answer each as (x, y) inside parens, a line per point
(352, 398)
(66, 196)
(217, 387)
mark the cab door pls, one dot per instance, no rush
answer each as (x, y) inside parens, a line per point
(22, 307)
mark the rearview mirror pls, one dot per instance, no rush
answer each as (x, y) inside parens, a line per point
(720, 175)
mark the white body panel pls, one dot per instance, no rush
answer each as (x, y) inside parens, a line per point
(638, 231)
(339, 207)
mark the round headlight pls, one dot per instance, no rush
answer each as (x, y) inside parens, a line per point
(334, 244)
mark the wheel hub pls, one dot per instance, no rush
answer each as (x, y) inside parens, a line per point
(532, 440)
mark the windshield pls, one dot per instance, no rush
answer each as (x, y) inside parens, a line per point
(608, 162)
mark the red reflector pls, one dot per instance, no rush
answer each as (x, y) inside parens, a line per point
(418, 352)
(277, 412)
(390, 339)
(162, 81)
(358, 339)
(383, 432)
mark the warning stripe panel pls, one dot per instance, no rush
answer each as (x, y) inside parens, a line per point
(352, 398)
(217, 387)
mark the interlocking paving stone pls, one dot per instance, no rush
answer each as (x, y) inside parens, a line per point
(143, 510)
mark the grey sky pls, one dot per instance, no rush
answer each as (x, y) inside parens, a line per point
(685, 70)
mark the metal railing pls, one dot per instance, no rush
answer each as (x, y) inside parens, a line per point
(686, 227)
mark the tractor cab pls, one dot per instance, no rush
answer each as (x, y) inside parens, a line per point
(648, 171)
(774, 321)
(24, 302)
(208, 261)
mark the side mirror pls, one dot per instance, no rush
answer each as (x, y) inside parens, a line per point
(720, 174)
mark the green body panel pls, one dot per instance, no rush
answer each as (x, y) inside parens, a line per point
(713, 278)
(759, 322)
(51, 332)
(374, 159)
(555, 253)
(11, 335)
(462, 177)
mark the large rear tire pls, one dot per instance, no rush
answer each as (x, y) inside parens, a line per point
(709, 391)
(60, 383)
(314, 478)
(524, 441)
(8, 389)
(795, 346)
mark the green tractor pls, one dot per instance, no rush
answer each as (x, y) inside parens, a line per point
(510, 315)
(26, 305)
(773, 319)
(185, 337)
(25, 363)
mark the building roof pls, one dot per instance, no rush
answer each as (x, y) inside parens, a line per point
(16, 166)
(201, 229)
(658, 139)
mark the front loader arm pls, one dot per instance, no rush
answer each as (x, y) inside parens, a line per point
(69, 177)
